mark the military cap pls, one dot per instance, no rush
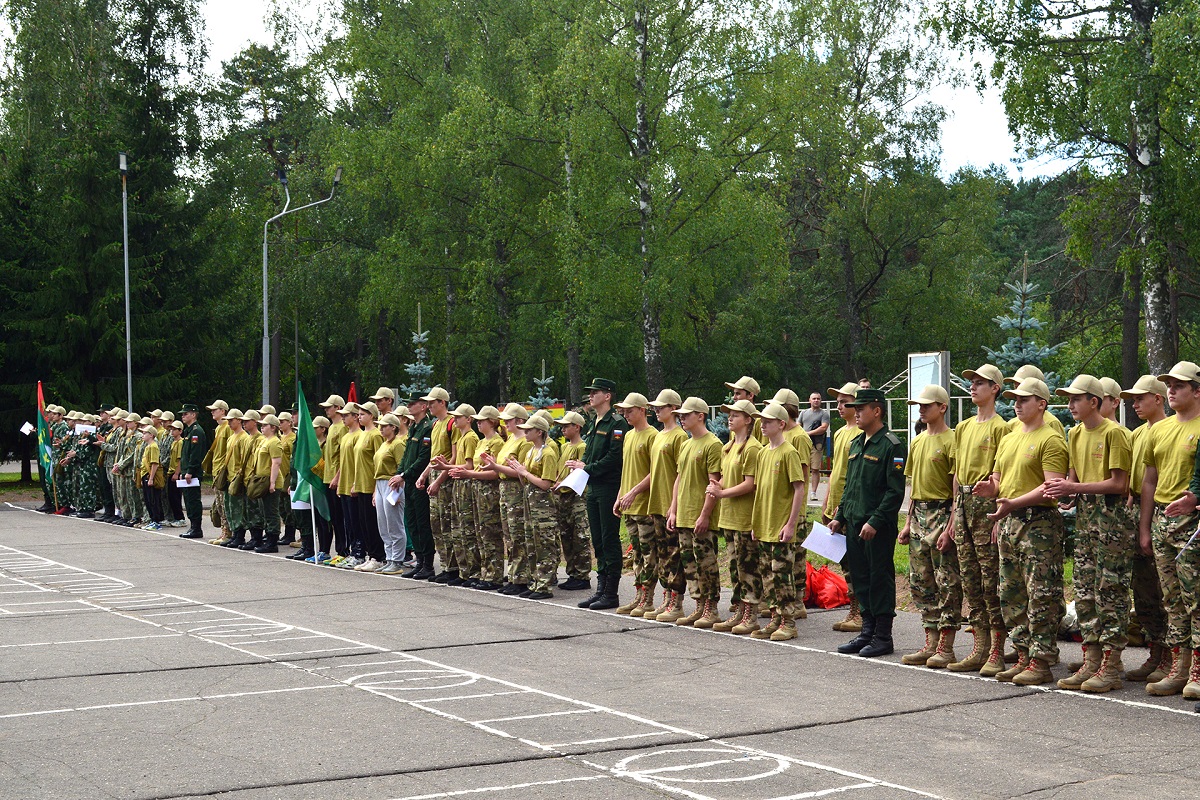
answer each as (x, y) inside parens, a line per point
(535, 421)
(177, 425)
(390, 419)
(221, 404)
(189, 407)
(1026, 371)
(601, 385)
(633, 400)
(746, 384)
(1030, 387)
(514, 411)
(252, 415)
(437, 393)
(320, 422)
(693, 405)
(865, 396)
(667, 397)
(463, 410)
(487, 412)
(1111, 388)
(234, 413)
(572, 418)
(932, 393)
(786, 397)
(1147, 384)
(370, 408)
(383, 392)
(333, 401)
(744, 406)
(846, 388)
(1083, 384)
(774, 411)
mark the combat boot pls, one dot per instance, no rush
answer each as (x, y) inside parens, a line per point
(1177, 676)
(862, 640)
(801, 610)
(995, 658)
(1108, 677)
(647, 604)
(749, 622)
(925, 653)
(786, 629)
(601, 582)
(853, 621)
(734, 619)
(944, 656)
(674, 609)
(632, 604)
(1016, 669)
(610, 598)
(237, 540)
(710, 615)
(881, 642)
(1147, 669)
(1090, 665)
(979, 652)
(270, 544)
(654, 612)
(1192, 690)
(691, 618)
(772, 626)
(1035, 673)
(1163, 668)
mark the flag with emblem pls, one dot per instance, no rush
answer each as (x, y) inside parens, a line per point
(43, 430)
(310, 488)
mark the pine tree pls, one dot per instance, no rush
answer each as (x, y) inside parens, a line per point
(419, 372)
(1021, 348)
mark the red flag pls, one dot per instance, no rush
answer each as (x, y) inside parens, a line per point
(41, 401)
(351, 396)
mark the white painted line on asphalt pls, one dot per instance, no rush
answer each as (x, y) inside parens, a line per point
(89, 641)
(165, 701)
(467, 697)
(608, 739)
(307, 652)
(535, 716)
(510, 788)
(357, 664)
(827, 792)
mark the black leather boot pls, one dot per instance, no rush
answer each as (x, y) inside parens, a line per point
(609, 598)
(255, 540)
(270, 543)
(601, 583)
(424, 567)
(881, 642)
(862, 639)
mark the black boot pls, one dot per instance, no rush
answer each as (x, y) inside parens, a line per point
(236, 539)
(255, 540)
(601, 583)
(270, 543)
(862, 639)
(193, 532)
(289, 535)
(610, 597)
(881, 642)
(575, 584)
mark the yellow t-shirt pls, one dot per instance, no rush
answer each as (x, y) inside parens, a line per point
(1172, 451)
(568, 452)
(738, 463)
(348, 462)
(930, 465)
(542, 461)
(1024, 459)
(440, 442)
(468, 445)
(220, 445)
(150, 456)
(778, 468)
(176, 454)
(269, 450)
(635, 466)
(364, 460)
(492, 445)
(1139, 441)
(386, 458)
(1048, 420)
(975, 445)
(1096, 453)
(697, 460)
(664, 458)
(837, 467)
(331, 451)
(513, 447)
(799, 439)
(235, 452)
(289, 446)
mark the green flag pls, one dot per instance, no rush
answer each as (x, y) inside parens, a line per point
(310, 488)
(43, 432)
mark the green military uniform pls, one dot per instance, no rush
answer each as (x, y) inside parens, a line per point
(602, 458)
(191, 458)
(86, 485)
(59, 433)
(104, 469)
(416, 502)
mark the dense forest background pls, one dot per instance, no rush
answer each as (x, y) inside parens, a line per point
(665, 192)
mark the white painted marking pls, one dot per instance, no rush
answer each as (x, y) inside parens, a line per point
(609, 739)
(536, 716)
(89, 641)
(468, 696)
(826, 792)
(192, 699)
(510, 788)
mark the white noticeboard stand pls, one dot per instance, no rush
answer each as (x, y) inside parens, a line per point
(924, 369)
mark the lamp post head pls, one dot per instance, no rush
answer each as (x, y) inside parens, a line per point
(337, 176)
(282, 176)
(123, 162)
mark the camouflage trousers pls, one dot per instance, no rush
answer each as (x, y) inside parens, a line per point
(933, 576)
(667, 555)
(488, 531)
(698, 552)
(743, 566)
(134, 507)
(1031, 579)
(462, 530)
(1148, 607)
(640, 528)
(978, 560)
(87, 493)
(1179, 575)
(441, 513)
(800, 560)
(219, 514)
(575, 532)
(234, 508)
(776, 570)
(1103, 568)
(512, 526)
(542, 524)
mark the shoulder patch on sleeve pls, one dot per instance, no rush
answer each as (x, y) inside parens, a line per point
(618, 434)
(891, 437)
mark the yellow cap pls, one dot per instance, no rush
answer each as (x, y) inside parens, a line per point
(349, 408)
(383, 392)
(633, 400)
(693, 405)
(773, 411)
(1111, 388)
(402, 411)
(168, 416)
(667, 397)
(234, 413)
(1147, 384)
(463, 410)
(267, 409)
(1026, 371)
(1183, 371)
(221, 404)
(932, 393)
(1083, 384)
(744, 406)
(177, 425)
(848, 388)
(334, 401)
(390, 419)
(785, 397)
(320, 422)
(1030, 387)
(572, 418)
(536, 421)
(989, 372)
(370, 408)
(514, 411)
(437, 393)
(270, 419)
(746, 384)
(487, 412)
(252, 415)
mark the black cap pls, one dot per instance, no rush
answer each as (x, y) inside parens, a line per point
(189, 407)
(601, 384)
(865, 396)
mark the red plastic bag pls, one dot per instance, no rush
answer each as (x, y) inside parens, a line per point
(826, 589)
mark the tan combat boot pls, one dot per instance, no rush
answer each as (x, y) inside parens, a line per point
(1177, 677)
(1073, 666)
(1036, 672)
(1192, 690)
(924, 654)
(674, 611)
(995, 658)
(1147, 669)
(801, 610)
(749, 621)
(786, 629)
(634, 603)
(772, 626)
(647, 604)
(1108, 677)
(1016, 669)
(691, 618)
(735, 616)
(853, 620)
(944, 656)
(979, 652)
(1092, 655)
(662, 607)
(1163, 667)
(710, 616)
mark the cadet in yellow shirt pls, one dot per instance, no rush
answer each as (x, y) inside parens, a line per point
(442, 437)
(537, 473)
(268, 459)
(1031, 535)
(483, 517)
(837, 484)
(633, 500)
(235, 494)
(331, 454)
(573, 527)
(693, 513)
(795, 435)
(389, 516)
(174, 495)
(344, 482)
(512, 500)
(148, 475)
(370, 543)
(932, 562)
(1097, 482)
(287, 435)
(215, 462)
(735, 507)
(1030, 371)
(462, 518)
(664, 457)
(778, 508)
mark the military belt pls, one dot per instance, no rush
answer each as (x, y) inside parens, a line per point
(1109, 500)
(933, 503)
(1030, 513)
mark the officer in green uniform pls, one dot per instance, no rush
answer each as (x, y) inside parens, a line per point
(195, 447)
(416, 502)
(602, 460)
(868, 515)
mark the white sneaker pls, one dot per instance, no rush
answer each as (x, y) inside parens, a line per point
(812, 496)
(370, 565)
(391, 568)
(351, 563)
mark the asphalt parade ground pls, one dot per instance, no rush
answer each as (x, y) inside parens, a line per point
(135, 664)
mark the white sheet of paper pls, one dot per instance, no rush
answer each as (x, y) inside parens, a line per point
(27, 429)
(576, 481)
(825, 542)
(183, 484)
(301, 505)
(393, 496)
(85, 428)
